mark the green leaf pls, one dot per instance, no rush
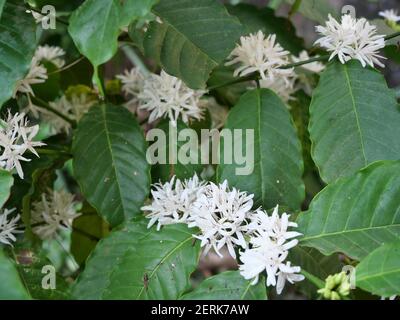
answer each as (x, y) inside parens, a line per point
(139, 263)
(94, 27)
(354, 120)
(11, 287)
(6, 182)
(357, 214)
(316, 264)
(379, 272)
(164, 172)
(255, 19)
(88, 229)
(2, 3)
(229, 285)
(278, 164)
(17, 46)
(110, 162)
(194, 38)
(131, 10)
(316, 10)
(31, 270)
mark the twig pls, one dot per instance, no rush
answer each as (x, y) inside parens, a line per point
(67, 66)
(44, 105)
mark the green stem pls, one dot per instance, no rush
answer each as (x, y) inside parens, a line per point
(44, 105)
(300, 63)
(313, 279)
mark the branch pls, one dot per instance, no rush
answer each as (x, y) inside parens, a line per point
(44, 105)
(255, 76)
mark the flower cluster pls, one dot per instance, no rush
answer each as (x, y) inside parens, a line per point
(337, 287)
(16, 137)
(261, 54)
(220, 214)
(225, 218)
(352, 39)
(173, 201)
(270, 243)
(55, 211)
(162, 96)
(8, 227)
(73, 105)
(255, 53)
(37, 72)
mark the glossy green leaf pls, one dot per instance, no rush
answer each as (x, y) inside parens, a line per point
(110, 162)
(164, 172)
(255, 19)
(316, 10)
(87, 230)
(17, 46)
(139, 263)
(33, 269)
(131, 10)
(11, 287)
(194, 38)
(278, 165)
(229, 285)
(6, 182)
(94, 27)
(379, 272)
(357, 214)
(354, 120)
(2, 3)
(316, 264)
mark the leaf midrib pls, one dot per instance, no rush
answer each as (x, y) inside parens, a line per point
(114, 166)
(348, 81)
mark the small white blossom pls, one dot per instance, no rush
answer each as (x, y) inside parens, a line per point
(352, 39)
(220, 214)
(283, 86)
(8, 227)
(132, 85)
(391, 16)
(270, 244)
(55, 211)
(37, 74)
(52, 54)
(172, 201)
(255, 53)
(166, 96)
(315, 67)
(16, 137)
(39, 18)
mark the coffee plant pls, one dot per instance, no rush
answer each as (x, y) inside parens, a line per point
(198, 149)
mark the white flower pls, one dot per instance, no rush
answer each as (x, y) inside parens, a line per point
(259, 54)
(220, 214)
(55, 211)
(16, 137)
(52, 54)
(390, 15)
(316, 66)
(39, 18)
(352, 39)
(172, 201)
(8, 227)
(132, 84)
(287, 273)
(37, 74)
(166, 96)
(74, 108)
(270, 243)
